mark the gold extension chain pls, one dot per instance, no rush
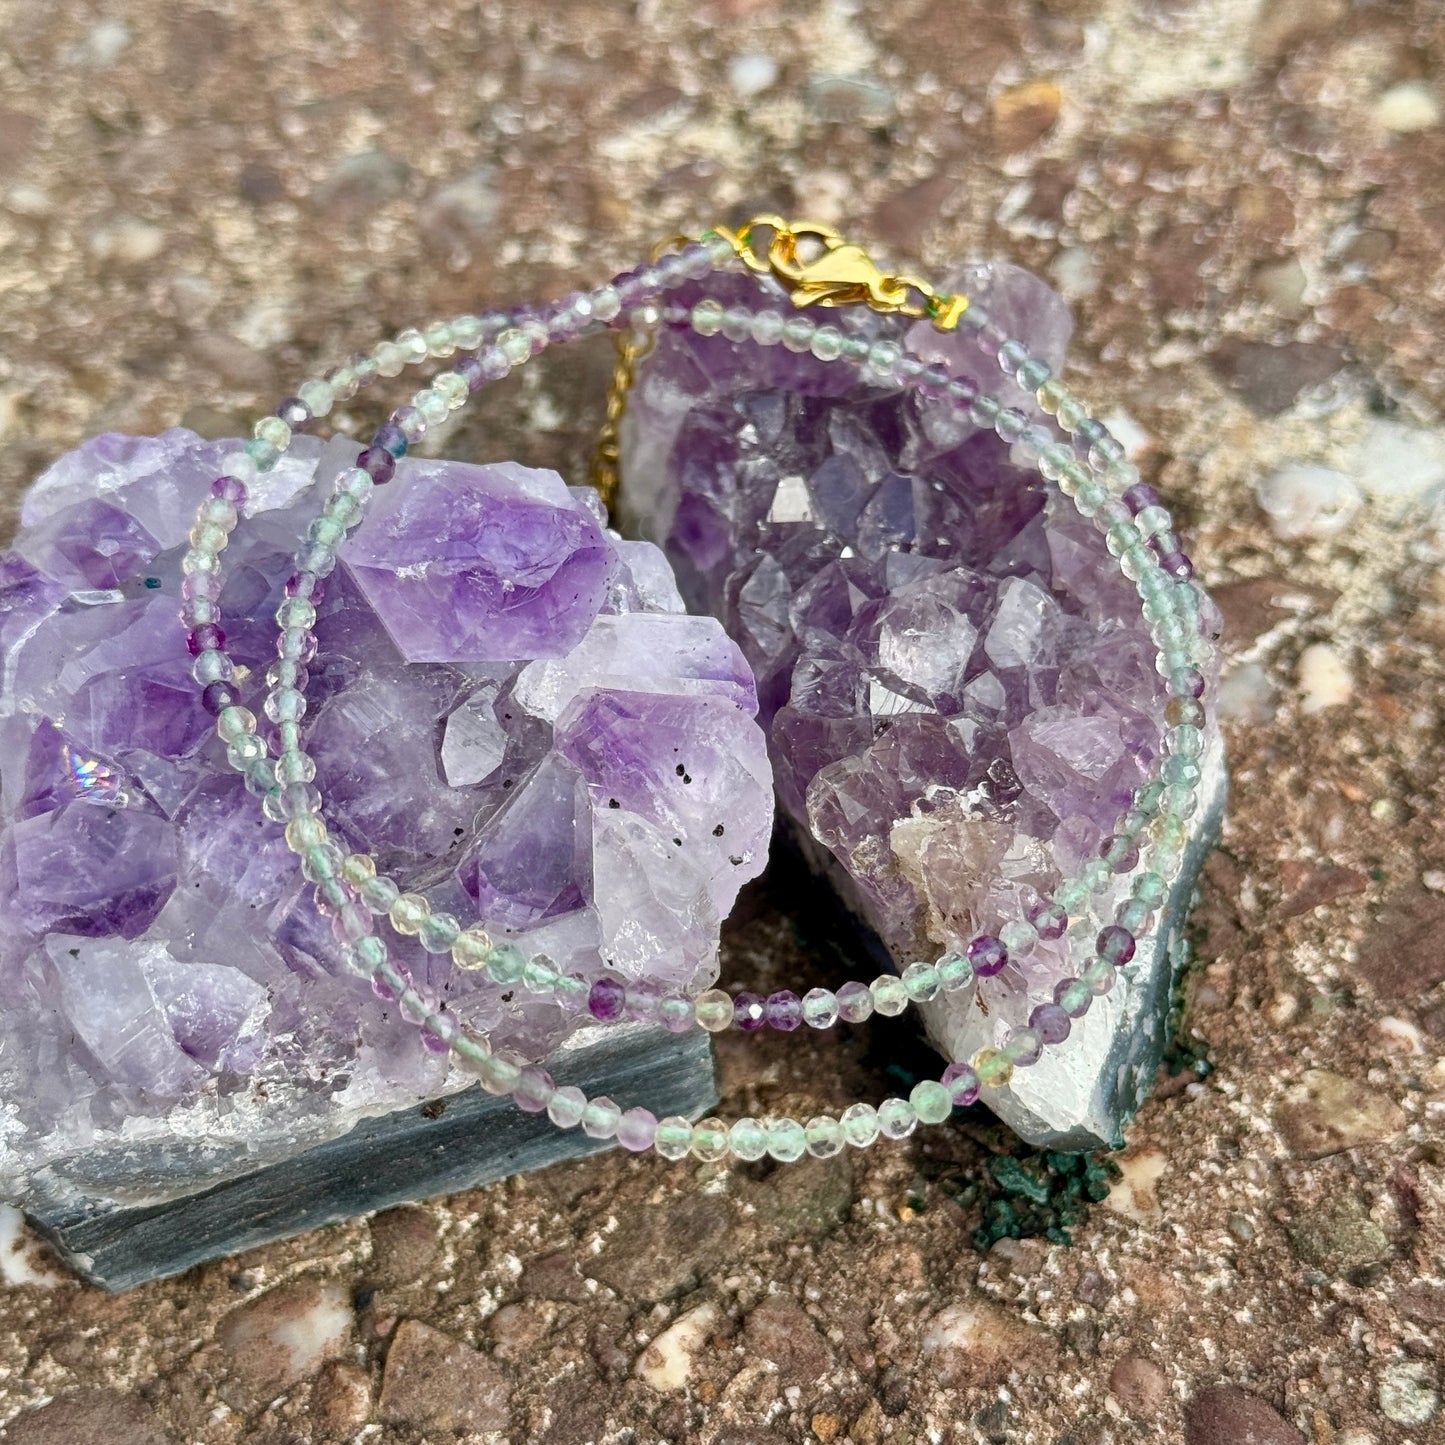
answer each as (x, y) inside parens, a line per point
(816, 267)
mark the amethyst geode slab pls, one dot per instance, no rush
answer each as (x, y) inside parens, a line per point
(508, 705)
(959, 690)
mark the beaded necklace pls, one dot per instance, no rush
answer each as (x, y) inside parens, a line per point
(1088, 468)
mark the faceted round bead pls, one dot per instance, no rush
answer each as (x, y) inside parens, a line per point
(889, 996)
(1018, 936)
(438, 932)
(820, 1008)
(600, 1118)
(292, 801)
(378, 463)
(714, 1010)
(285, 704)
(931, 1102)
(787, 1140)
(855, 1002)
(637, 1129)
(993, 1067)
(955, 972)
(506, 964)
(245, 751)
(379, 894)
(534, 1091)
(1050, 1022)
(675, 1013)
(295, 767)
(408, 913)
(860, 1125)
(988, 956)
(471, 949)
(896, 1119)
(1100, 976)
(498, 1075)
(827, 343)
(217, 697)
(1116, 944)
(962, 1085)
(784, 1010)
(1150, 888)
(351, 923)
(264, 454)
(566, 1106)
(749, 1012)
(707, 317)
(824, 1135)
(1179, 711)
(1120, 852)
(1177, 566)
(1049, 920)
(1074, 996)
(710, 1140)
(1023, 1048)
(642, 999)
(212, 667)
(921, 982)
(317, 397)
(321, 862)
(273, 430)
(1134, 917)
(883, 357)
(365, 955)
(673, 1138)
(230, 489)
(390, 981)
(469, 371)
(747, 1139)
(606, 303)
(797, 333)
(305, 832)
(539, 976)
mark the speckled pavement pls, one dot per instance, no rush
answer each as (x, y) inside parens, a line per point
(1244, 201)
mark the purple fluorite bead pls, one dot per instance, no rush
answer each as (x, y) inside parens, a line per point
(229, 489)
(1051, 1022)
(1116, 944)
(784, 1011)
(962, 1083)
(988, 956)
(607, 999)
(749, 1012)
(378, 463)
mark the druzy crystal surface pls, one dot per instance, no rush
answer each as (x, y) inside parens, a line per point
(959, 689)
(508, 705)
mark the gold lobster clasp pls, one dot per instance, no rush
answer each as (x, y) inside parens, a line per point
(817, 267)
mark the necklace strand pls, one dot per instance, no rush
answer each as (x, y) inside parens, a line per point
(1099, 483)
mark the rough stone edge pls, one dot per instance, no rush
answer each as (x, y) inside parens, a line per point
(410, 1154)
(1124, 1071)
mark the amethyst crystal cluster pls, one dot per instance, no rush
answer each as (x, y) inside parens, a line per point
(509, 705)
(958, 686)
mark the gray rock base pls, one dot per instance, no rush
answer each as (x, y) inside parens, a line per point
(461, 1142)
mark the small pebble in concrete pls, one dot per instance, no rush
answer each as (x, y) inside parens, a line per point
(1409, 106)
(1409, 1392)
(666, 1364)
(752, 73)
(1324, 679)
(1302, 499)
